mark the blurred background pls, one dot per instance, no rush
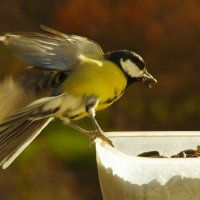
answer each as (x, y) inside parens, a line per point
(59, 164)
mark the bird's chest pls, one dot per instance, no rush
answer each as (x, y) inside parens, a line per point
(106, 82)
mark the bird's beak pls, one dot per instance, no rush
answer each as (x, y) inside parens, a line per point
(148, 79)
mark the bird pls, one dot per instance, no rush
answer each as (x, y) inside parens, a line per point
(68, 77)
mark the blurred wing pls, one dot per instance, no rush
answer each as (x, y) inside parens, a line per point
(53, 50)
(13, 97)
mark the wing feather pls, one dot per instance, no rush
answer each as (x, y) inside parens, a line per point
(51, 50)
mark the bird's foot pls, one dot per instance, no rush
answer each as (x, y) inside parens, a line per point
(96, 134)
(91, 134)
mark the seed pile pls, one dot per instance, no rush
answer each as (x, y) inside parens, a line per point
(189, 153)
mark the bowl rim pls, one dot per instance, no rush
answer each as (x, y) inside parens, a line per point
(152, 133)
(106, 146)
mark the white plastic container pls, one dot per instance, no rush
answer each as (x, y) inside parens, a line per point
(124, 176)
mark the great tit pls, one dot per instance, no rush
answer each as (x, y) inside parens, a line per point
(70, 77)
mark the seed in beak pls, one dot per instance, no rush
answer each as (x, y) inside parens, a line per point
(148, 79)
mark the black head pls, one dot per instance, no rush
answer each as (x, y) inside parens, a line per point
(132, 65)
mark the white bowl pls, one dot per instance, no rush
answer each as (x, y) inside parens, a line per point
(124, 176)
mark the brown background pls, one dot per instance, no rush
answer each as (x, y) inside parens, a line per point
(59, 165)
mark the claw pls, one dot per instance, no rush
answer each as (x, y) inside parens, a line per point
(96, 134)
(91, 134)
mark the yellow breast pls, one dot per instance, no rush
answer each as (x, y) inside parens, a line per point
(102, 79)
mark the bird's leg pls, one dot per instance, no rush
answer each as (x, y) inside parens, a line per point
(99, 132)
(91, 134)
(81, 130)
(77, 128)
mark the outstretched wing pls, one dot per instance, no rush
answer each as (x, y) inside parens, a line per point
(53, 50)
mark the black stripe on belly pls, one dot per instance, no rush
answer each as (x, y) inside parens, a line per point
(74, 116)
(115, 97)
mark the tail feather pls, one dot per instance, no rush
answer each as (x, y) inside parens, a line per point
(20, 129)
(14, 143)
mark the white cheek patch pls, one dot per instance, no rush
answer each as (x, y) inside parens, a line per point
(131, 68)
